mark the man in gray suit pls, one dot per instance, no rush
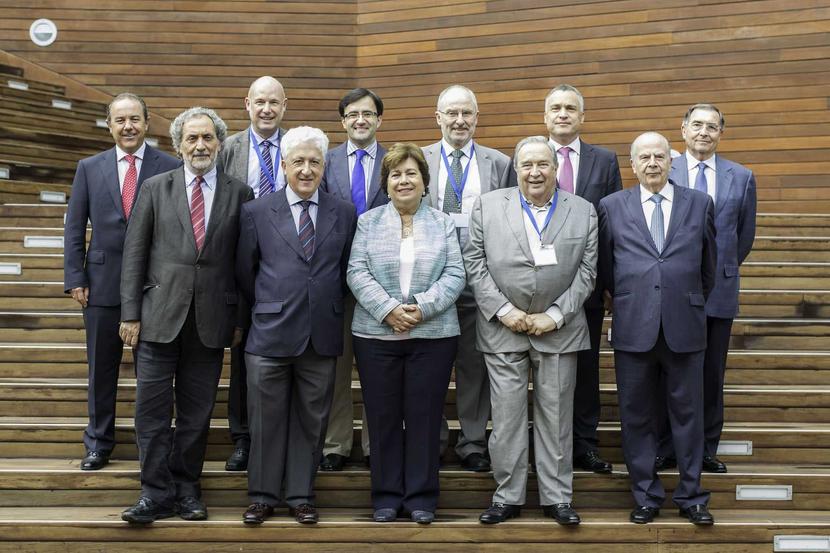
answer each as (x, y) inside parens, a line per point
(531, 262)
(463, 170)
(252, 156)
(179, 309)
(353, 174)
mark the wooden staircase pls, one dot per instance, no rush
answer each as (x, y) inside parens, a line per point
(776, 441)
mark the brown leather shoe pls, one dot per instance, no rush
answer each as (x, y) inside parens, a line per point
(305, 513)
(257, 513)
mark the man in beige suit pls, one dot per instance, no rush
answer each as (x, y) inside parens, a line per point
(531, 262)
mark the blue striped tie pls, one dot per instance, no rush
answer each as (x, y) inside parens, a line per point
(657, 223)
(265, 186)
(306, 231)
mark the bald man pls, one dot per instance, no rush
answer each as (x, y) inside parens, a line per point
(252, 156)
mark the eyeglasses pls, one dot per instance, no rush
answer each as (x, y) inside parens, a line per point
(453, 114)
(697, 125)
(353, 115)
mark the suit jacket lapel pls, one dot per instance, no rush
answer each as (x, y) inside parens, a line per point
(283, 221)
(240, 159)
(679, 173)
(109, 170)
(679, 208)
(557, 220)
(374, 181)
(182, 206)
(485, 169)
(723, 183)
(149, 167)
(433, 157)
(326, 219)
(515, 218)
(635, 212)
(221, 199)
(586, 166)
(341, 174)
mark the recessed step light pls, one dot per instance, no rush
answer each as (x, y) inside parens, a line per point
(43, 241)
(773, 492)
(801, 543)
(9, 268)
(61, 104)
(18, 85)
(735, 447)
(52, 197)
(101, 123)
(4, 172)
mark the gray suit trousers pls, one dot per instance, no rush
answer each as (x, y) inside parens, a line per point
(288, 410)
(554, 379)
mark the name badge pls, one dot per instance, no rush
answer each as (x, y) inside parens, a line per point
(461, 220)
(545, 255)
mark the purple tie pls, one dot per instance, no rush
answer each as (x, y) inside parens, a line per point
(566, 175)
(359, 182)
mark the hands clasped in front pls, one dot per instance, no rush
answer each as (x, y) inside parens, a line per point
(534, 324)
(404, 317)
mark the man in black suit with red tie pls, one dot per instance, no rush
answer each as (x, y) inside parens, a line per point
(103, 193)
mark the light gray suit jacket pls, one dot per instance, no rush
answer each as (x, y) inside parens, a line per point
(233, 158)
(493, 170)
(500, 269)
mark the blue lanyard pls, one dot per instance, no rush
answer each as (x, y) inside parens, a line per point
(533, 217)
(459, 191)
(269, 171)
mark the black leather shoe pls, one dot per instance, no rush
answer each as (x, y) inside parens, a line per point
(593, 462)
(664, 463)
(422, 517)
(476, 462)
(643, 515)
(713, 464)
(699, 515)
(191, 508)
(304, 513)
(238, 461)
(95, 460)
(146, 511)
(563, 513)
(257, 513)
(332, 462)
(499, 512)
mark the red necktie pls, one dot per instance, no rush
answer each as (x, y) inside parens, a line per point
(197, 213)
(128, 190)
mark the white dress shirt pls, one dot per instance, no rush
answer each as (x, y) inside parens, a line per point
(124, 165)
(368, 164)
(208, 190)
(576, 151)
(472, 189)
(539, 214)
(253, 161)
(648, 206)
(296, 209)
(711, 173)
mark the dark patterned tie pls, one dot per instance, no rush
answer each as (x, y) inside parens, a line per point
(265, 186)
(306, 231)
(451, 202)
(197, 213)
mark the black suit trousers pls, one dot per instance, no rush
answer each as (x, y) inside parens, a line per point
(586, 393)
(104, 350)
(238, 397)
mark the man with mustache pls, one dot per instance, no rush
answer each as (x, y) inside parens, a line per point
(252, 156)
(180, 309)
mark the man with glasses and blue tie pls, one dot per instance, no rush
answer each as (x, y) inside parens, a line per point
(463, 170)
(352, 174)
(252, 156)
(657, 258)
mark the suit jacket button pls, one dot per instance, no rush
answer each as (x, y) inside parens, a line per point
(656, 286)
(199, 266)
(661, 260)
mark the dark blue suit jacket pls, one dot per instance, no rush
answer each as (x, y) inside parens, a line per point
(294, 301)
(337, 178)
(652, 290)
(96, 196)
(735, 206)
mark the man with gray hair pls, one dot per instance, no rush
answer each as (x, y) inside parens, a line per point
(179, 310)
(291, 264)
(531, 262)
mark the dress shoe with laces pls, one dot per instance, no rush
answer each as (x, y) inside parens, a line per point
(191, 508)
(643, 515)
(387, 514)
(713, 464)
(593, 462)
(563, 513)
(332, 462)
(664, 463)
(146, 511)
(238, 461)
(476, 462)
(95, 460)
(305, 513)
(257, 513)
(698, 514)
(422, 517)
(499, 512)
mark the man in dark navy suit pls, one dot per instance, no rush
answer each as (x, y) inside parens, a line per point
(657, 257)
(732, 188)
(103, 192)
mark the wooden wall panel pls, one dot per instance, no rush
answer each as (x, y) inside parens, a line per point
(639, 64)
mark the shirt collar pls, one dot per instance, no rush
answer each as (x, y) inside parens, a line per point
(692, 163)
(371, 149)
(210, 178)
(293, 198)
(466, 148)
(538, 208)
(575, 146)
(667, 192)
(139, 154)
(274, 138)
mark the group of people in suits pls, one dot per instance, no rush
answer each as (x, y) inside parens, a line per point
(412, 262)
